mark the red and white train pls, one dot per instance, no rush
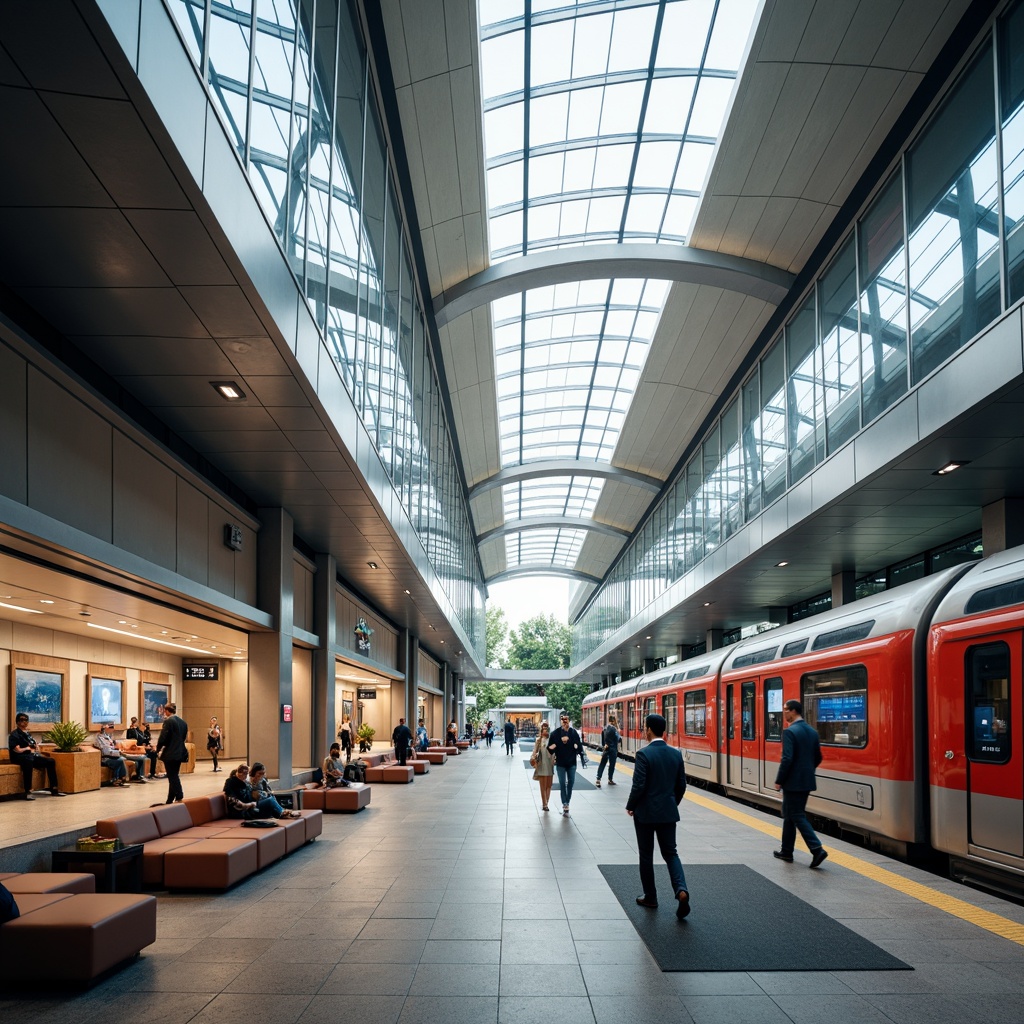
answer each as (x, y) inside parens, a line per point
(916, 694)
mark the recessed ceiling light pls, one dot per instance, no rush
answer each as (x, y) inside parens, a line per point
(85, 614)
(373, 565)
(228, 390)
(408, 591)
(163, 632)
(781, 565)
(649, 638)
(638, 647)
(122, 622)
(152, 639)
(442, 641)
(708, 604)
(43, 600)
(949, 467)
(18, 608)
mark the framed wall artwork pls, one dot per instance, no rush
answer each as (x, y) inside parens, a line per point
(39, 689)
(152, 698)
(106, 701)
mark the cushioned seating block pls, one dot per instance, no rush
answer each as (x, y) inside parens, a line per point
(294, 830)
(435, 756)
(153, 856)
(51, 881)
(420, 767)
(214, 829)
(210, 863)
(7, 874)
(345, 800)
(271, 843)
(29, 901)
(77, 938)
(204, 809)
(392, 773)
(313, 818)
(134, 827)
(172, 818)
(462, 744)
(451, 751)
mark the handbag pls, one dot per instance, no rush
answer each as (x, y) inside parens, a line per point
(533, 759)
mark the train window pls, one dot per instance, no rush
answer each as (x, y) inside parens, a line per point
(700, 670)
(730, 730)
(617, 708)
(794, 647)
(995, 597)
(747, 707)
(987, 672)
(695, 712)
(836, 704)
(650, 706)
(846, 635)
(671, 712)
(632, 718)
(757, 658)
(773, 709)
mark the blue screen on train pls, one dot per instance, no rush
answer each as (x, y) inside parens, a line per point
(848, 708)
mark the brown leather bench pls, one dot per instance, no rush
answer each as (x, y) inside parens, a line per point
(217, 863)
(74, 938)
(344, 799)
(395, 773)
(39, 883)
(434, 755)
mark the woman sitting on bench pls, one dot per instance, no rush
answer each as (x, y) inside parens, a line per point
(245, 801)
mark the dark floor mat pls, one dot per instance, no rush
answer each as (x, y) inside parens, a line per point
(741, 922)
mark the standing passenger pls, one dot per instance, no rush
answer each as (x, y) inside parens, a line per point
(543, 765)
(659, 783)
(170, 748)
(801, 754)
(610, 740)
(422, 739)
(215, 742)
(565, 746)
(510, 737)
(402, 740)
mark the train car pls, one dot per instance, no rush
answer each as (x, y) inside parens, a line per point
(597, 706)
(975, 710)
(859, 672)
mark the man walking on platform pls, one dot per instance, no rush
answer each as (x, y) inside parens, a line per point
(801, 754)
(402, 739)
(659, 783)
(510, 737)
(170, 748)
(610, 739)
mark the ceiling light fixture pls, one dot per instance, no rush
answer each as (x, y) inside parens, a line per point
(43, 600)
(949, 467)
(708, 604)
(373, 565)
(228, 390)
(149, 639)
(408, 591)
(18, 608)
(442, 641)
(781, 565)
(650, 638)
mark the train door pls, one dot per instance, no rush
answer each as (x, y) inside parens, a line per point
(750, 754)
(729, 731)
(995, 765)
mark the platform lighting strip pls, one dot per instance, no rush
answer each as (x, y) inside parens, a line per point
(154, 640)
(18, 608)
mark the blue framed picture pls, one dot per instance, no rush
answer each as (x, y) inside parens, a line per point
(106, 702)
(40, 694)
(152, 698)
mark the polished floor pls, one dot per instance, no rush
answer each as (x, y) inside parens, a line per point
(457, 900)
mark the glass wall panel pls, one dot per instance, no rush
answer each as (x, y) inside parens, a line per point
(773, 422)
(805, 433)
(840, 347)
(751, 436)
(189, 14)
(711, 490)
(883, 301)
(229, 41)
(953, 218)
(371, 285)
(730, 472)
(1011, 103)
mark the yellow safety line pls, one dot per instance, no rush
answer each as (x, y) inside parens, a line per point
(994, 923)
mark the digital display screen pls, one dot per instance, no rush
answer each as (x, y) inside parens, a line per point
(199, 671)
(774, 701)
(848, 708)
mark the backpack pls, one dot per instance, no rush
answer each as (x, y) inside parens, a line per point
(355, 771)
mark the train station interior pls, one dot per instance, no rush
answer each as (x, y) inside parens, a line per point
(321, 318)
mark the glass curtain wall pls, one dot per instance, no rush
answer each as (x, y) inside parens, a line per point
(935, 258)
(289, 80)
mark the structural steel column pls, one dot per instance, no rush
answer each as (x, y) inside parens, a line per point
(714, 639)
(446, 686)
(406, 665)
(325, 623)
(1002, 525)
(270, 653)
(844, 588)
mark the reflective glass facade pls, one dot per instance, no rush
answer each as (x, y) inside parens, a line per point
(933, 260)
(292, 89)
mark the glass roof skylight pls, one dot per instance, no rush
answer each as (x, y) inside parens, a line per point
(600, 120)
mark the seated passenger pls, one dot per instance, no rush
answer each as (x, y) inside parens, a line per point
(334, 768)
(110, 757)
(244, 802)
(21, 746)
(143, 738)
(110, 751)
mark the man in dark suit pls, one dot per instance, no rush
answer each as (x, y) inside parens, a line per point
(659, 783)
(170, 748)
(402, 740)
(801, 754)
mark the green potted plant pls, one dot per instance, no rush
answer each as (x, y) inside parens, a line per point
(365, 734)
(77, 770)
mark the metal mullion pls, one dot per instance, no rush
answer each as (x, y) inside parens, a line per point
(248, 92)
(204, 57)
(361, 404)
(904, 198)
(383, 290)
(309, 140)
(1004, 283)
(330, 176)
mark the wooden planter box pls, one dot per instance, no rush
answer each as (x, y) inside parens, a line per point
(78, 771)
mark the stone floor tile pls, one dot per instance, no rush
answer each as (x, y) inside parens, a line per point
(542, 1009)
(369, 980)
(541, 979)
(459, 951)
(450, 1010)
